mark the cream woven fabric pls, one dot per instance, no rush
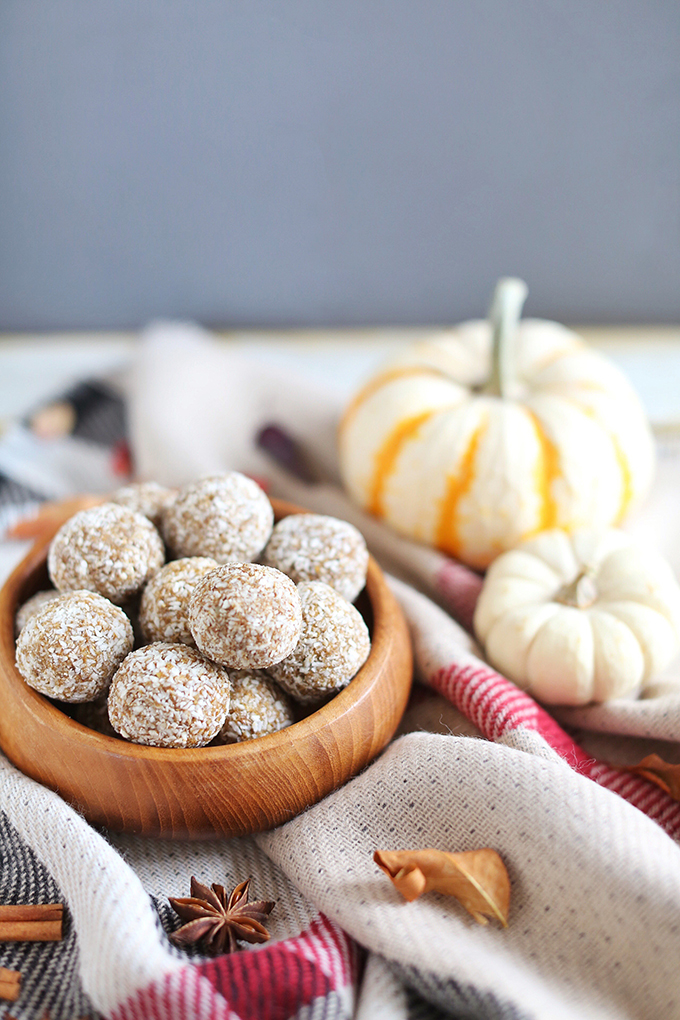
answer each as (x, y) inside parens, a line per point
(594, 931)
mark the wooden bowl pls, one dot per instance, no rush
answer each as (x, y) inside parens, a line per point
(205, 792)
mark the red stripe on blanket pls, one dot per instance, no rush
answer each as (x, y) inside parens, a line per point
(496, 706)
(272, 983)
(275, 982)
(182, 995)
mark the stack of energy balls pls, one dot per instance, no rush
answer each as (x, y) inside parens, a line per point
(217, 644)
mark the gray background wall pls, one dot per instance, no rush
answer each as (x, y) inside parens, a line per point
(272, 162)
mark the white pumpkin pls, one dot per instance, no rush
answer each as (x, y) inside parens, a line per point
(577, 618)
(485, 434)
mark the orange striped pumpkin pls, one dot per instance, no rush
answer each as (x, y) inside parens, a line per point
(485, 434)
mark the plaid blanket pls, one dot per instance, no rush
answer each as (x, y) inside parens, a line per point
(591, 850)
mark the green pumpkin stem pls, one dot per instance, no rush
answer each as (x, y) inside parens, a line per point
(579, 593)
(504, 316)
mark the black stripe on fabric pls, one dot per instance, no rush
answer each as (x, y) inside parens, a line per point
(49, 970)
(168, 921)
(420, 1009)
(16, 501)
(456, 1001)
(100, 413)
(14, 494)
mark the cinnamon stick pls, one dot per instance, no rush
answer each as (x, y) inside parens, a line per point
(31, 912)
(40, 922)
(10, 984)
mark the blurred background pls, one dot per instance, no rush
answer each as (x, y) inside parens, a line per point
(251, 163)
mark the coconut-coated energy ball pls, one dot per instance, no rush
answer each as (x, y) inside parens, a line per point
(334, 644)
(164, 606)
(245, 615)
(169, 695)
(32, 606)
(314, 547)
(73, 646)
(258, 706)
(147, 498)
(227, 517)
(108, 549)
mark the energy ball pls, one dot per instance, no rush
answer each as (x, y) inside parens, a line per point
(108, 549)
(147, 498)
(169, 695)
(31, 607)
(163, 610)
(73, 646)
(258, 706)
(245, 615)
(333, 646)
(227, 517)
(313, 547)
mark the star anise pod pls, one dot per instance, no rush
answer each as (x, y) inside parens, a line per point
(215, 920)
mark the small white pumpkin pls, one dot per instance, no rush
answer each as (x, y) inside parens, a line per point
(485, 434)
(577, 618)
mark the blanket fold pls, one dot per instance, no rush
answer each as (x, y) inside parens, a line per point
(591, 850)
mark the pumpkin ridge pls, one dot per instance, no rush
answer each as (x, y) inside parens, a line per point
(386, 456)
(627, 487)
(574, 347)
(627, 490)
(448, 538)
(547, 471)
(589, 385)
(377, 383)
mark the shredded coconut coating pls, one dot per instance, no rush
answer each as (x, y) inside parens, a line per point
(169, 695)
(227, 517)
(313, 547)
(31, 607)
(163, 610)
(258, 706)
(147, 498)
(333, 646)
(73, 646)
(245, 615)
(108, 549)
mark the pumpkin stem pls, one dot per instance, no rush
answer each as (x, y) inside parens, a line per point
(579, 593)
(504, 315)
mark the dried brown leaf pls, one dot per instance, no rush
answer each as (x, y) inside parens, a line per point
(660, 772)
(478, 879)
